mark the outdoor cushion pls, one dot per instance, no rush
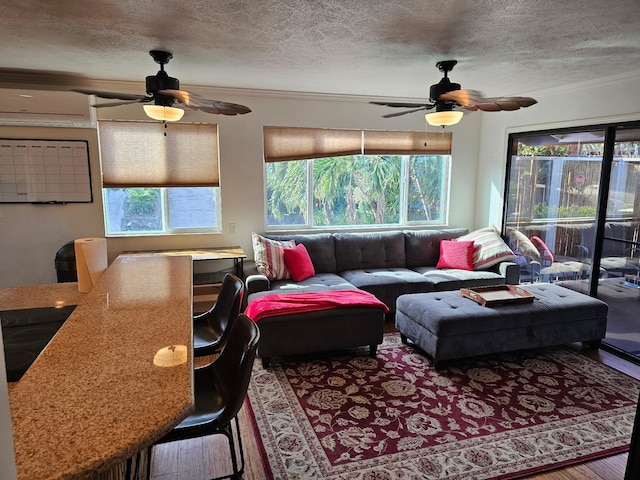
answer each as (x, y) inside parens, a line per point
(519, 242)
(546, 257)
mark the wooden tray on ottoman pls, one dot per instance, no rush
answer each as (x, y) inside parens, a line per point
(497, 295)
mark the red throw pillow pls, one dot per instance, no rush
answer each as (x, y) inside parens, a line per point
(298, 262)
(456, 254)
(546, 257)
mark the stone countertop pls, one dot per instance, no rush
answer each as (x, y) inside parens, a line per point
(37, 296)
(116, 377)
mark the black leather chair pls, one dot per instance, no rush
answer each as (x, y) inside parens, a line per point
(220, 390)
(210, 329)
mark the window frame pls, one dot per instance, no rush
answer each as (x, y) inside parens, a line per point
(165, 215)
(281, 144)
(403, 215)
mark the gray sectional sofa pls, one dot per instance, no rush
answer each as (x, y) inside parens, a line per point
(385, 264)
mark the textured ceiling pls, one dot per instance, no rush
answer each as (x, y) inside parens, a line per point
(385, 48)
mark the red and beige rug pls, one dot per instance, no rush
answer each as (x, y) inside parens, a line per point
(396, 417)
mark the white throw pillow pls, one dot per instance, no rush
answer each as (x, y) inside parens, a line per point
(488, 248)
(269, 257)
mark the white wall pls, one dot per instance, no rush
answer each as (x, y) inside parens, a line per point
(31, 234)
(581, 105)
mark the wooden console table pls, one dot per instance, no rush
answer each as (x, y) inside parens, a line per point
(205, 286)
(236, 254)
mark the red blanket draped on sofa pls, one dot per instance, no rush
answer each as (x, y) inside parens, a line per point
(287, 303)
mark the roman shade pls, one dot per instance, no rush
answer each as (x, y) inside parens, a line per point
(296, 143)
(377, 142)
(138, 154)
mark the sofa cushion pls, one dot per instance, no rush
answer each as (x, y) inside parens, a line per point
(456, 254)
(269, 258)
(318, 283)
(387, 283)
(320, 247)
(356, 251)
(441, 280)
(423, 246)
(489, 248)
(298, 262)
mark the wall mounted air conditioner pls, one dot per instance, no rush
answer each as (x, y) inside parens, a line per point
(45, 108)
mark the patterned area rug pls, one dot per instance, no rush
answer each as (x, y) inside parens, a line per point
(396, 417)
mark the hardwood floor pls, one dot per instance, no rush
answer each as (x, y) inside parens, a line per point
(206, 458)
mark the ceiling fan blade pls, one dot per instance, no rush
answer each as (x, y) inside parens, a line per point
(473, 100)
(112, 95)
(180, 95)
(397, 114)
(224, 108)
(502, 104)
(40, 79)
(209, 106)
(463, 97)
(523, 101)
(415, 107)
(403, 105)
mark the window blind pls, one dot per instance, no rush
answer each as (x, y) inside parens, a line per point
(137, 154)
(406, 143)
(299, 143)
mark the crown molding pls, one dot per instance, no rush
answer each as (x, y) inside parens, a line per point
(596, 82)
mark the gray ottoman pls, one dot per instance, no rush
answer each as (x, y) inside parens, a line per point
(448, 326)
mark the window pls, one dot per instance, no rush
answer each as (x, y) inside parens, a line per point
(377, 186)
(159, 185)
(557, 183)
(172, 210)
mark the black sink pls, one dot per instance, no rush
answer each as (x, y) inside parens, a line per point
(26, 332)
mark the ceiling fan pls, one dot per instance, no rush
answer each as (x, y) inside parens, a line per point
(164, 94)
(449, 101)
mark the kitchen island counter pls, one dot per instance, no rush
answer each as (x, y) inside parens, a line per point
(116, 377)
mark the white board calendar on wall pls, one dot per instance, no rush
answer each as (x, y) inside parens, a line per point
(44, 171)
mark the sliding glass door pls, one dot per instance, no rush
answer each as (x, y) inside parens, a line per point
(618, 283)
(572, 216)
(551, 203)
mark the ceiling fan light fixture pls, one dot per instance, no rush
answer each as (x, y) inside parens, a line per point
(444, 118)
(162, 113)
